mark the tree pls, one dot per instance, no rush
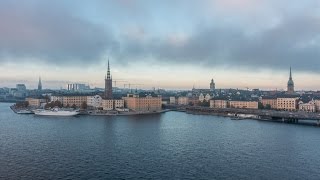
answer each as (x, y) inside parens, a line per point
(74, 106)
(84, 105)
(57, 104)
(260, 105)
(268, 106)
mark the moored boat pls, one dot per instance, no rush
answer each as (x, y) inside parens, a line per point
(55, 112)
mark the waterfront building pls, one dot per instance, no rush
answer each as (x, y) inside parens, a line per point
(107, 104)
(34, 102)
(183, 100)
(172, 100)
(317, 103)
(287, 103)
(244, 104)
(143, 103)
(74, 100)
(218, 103)
(39, 85)
(56, 98)
(108, 84)
(207, 97)
(290, 85)
(118, 103)
(201, 97)
(94, 101)
(212, 85)
(307, 107)
(269, 101)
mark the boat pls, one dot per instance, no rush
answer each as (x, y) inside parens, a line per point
(24, 112)
(56, 112)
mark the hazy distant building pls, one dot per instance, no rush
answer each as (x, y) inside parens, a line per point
(78, 87)
(218, 103)
(39, 84)
(290, 86)
(244, 104)
(108, 84)
(21, 87)
(212, 85)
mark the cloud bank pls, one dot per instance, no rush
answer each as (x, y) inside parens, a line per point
(216, 33)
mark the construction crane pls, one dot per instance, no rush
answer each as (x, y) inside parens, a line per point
(118, 80)
(129, 85)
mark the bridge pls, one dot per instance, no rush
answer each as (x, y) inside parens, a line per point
(285, 116)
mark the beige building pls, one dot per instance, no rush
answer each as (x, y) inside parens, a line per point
(74, 100)
(118, 103)
(307, 107)
(287, 104)
(147, 103)
(317, 103)
(271, 102)
(218, 103)
(183, 100)
(244, 104)
(107, 104)
(33, 102)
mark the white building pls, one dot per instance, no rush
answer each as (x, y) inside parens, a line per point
(308, 107)
(183, 100)
(94, 101)
(172, 100)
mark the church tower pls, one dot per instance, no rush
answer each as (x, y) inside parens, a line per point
(39, 84)
(108, 84)
(212, 85)
(290, 87)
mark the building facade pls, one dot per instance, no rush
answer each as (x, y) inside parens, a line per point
(215, 103)
(172, 100)
(143, 104)
(287, 104)
(244, 104)
(74, 100)
(272, 102)
(94, 101)
(307, 107)
(183, 100)
(34, 102)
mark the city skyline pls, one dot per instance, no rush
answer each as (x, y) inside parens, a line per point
(239, 44)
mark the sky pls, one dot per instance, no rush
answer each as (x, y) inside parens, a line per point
(171, 44)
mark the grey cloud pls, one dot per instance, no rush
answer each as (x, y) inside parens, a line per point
(295, 41)
(49, 33)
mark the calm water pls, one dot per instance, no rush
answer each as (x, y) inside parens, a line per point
(167, 146)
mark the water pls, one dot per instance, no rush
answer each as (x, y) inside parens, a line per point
(165, 146)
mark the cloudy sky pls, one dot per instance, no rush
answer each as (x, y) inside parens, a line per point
(172, 44)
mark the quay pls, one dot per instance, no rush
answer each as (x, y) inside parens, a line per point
(266, 115)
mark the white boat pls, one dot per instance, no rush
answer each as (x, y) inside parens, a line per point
(24, 112)
(55, 112)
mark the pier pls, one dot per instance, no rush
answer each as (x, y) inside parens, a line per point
(267, 115)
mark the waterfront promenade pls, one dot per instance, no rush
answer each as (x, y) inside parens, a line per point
(287, 116)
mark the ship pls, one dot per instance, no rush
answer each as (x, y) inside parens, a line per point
(56, 112)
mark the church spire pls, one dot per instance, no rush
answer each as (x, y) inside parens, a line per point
(39, 84)
(290, 74)
(108, 73)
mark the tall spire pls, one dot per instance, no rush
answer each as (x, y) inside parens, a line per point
(290, 74)
(108, 73)
(39, 84)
